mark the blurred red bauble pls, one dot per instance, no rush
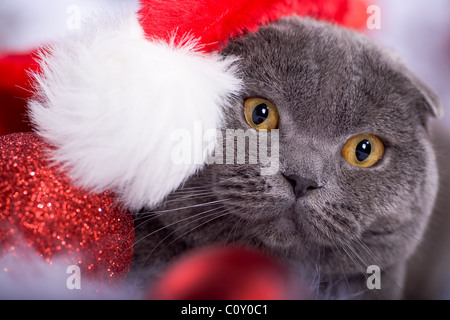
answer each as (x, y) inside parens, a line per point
(42, 210)
(224, 273)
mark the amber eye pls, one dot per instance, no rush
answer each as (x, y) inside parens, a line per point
(261, 114)
(363, 150)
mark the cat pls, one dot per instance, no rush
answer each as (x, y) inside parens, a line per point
(322, 212)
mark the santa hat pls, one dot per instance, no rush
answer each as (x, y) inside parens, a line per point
(110, 98)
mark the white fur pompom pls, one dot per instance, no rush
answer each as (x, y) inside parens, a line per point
(111, 102)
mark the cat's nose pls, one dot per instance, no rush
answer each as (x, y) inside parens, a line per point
(301, 185)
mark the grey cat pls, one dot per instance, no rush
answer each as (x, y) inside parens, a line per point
(327, 218)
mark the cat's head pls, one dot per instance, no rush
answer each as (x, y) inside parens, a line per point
(355, 161)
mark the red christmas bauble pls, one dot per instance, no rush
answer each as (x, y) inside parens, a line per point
(227, 273)
(41, 209)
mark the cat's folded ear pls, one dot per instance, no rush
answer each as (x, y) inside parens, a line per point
(431, 101)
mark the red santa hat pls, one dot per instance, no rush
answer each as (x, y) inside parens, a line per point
(110, 98)
(215, 22)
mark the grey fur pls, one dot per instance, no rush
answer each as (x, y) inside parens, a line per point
(328, 84)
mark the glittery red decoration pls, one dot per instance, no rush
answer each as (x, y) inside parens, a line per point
(40, 208)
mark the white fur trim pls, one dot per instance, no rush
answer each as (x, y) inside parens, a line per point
(25, 275)
(109, 101)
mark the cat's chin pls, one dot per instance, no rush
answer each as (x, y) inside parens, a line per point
(280, 235)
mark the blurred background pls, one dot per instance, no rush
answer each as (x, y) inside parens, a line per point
(419, 30)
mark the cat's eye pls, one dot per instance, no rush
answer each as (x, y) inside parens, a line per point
(363, 150)
(261, 114)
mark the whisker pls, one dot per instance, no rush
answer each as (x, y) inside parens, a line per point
(147, 216)
(342, 269)
(187, 207)
(176, 230)
(167, 226)
(176, 222)
(423, 245)
(370, 253)
(184, 192)
(189, 197)
(141, 216)
(193, 188)
(358, 259)
(234, 228)
(202, 224)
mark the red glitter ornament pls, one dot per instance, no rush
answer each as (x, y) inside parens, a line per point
(40, 208)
